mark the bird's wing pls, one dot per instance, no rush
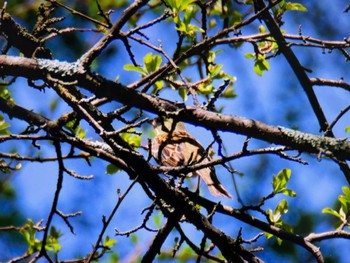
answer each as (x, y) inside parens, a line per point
(168, 152)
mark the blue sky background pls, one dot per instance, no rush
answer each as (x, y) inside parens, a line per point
(275, 98)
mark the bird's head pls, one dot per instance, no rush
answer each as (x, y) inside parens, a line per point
(167, 125)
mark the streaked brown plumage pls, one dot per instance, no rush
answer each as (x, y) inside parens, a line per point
(174, 146)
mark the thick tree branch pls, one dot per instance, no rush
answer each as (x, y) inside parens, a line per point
(67, 72)
(20, 38)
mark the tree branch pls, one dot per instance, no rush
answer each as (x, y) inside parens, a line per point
(41, 68)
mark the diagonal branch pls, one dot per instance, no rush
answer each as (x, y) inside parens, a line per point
(90, 55)
(304, 242)
(295, 64)
(162, 234)
(302, 77)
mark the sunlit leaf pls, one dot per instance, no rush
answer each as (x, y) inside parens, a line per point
(75, 128)
(280, 181)
(288, 192)
(131, 67)
(214, 70)
(205, 88)
(261, 65)
(132, 139)
(151, 62)
(109, 242)
(52, 242)
(4, 126)
(250, 55)
(262, 29)
(295, 7)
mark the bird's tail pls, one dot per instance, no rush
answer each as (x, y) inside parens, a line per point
(219, 190)
(209, 177)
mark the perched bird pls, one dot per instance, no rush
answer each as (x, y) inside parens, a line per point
(174, 146)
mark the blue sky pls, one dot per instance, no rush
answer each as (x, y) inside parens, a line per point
(270, 98)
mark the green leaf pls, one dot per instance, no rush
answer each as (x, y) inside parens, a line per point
(151, 62)
(287, 227)
(250, 55)
(158, 86)
(261, 65)
(132, 139)
(268, 235)
(28, 232)
(131, 67)
(188, 29)
(288, 192)
(190, 13)
(112, 169)
(211, 56)
(295, 7)
(214, 70)
(80, 132)
(179, 5)
(52, 242)
(3, 126)
(205, 88)
(134, 239)
(212, 23)
(262, 29)
(329, 210)
(346, 191)
(281, 4)
(157, 219)
(55, 233)
(54, 104)
(109, 242)
(345, 199)
(279, 241)
(280, 181)
(281, 209)
(191, 29)
(183, 93)
(343, 213)
(6, 94)
(75, 128)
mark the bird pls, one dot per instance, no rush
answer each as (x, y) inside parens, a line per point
(174, 146)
